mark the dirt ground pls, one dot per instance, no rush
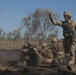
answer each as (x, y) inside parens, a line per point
(7, 69)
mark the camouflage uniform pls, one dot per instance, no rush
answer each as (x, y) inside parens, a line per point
(24, 50)
(58, 51)
(69, 35)
(46, 53)
(29, 52)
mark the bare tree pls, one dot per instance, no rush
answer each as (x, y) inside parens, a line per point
(37, 24)
(27, 23)
(16, 34)
(9, 36)
(2, 33)
(56, 32)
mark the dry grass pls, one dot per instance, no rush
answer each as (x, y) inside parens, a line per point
(10, 45)
(5, 44)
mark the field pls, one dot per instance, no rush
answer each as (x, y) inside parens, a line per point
(10, 55)
(11, 44)
(10, 51)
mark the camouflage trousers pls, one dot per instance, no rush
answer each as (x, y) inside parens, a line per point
(31, 60)
(48, 61)
(69, 49)
(58, 58)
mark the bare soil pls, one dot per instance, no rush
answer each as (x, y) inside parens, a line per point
(11, 55)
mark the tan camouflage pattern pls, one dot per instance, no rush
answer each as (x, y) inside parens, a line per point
(69, 48)
(47, 55)
(58, 52)
(67, 13)
(68, 43)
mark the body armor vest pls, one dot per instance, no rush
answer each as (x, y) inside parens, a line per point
(68, 30)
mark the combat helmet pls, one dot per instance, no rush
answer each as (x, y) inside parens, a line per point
(26, 45)
(54, 40)
(67, 13)
(44, 45)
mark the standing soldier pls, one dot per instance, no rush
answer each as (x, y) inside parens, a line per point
(58, 51)
(69, 27)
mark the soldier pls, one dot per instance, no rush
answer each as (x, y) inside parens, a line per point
(69, 27)
(58, 51)
(45, 55)
(33, 55)
(24, 50)
(29, 52)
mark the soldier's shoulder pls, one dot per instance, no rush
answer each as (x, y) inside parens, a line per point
(63, 23)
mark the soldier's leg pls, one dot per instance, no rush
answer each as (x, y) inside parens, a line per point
(66, 49)
(22, 56)
(55, 63)
(49, 61)
(70, 65)
(71, 55)
(33, 60)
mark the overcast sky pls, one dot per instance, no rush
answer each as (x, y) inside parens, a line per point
(12, 11)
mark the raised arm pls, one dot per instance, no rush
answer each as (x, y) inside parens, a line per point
(58, 23)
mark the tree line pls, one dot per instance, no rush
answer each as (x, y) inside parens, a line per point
(36, 26)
